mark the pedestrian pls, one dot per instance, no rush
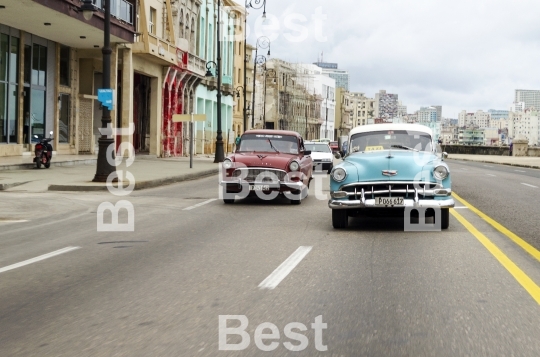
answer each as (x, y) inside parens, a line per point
(237, 142)
(511, 148)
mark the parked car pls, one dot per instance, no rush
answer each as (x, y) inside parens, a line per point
(267, 163)
(391, 168)
(323, 158)
(334, 146)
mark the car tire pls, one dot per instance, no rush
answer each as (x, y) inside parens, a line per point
(304, 194)
(330, 169)
(228, 201)
(445, 218)
(340, 218)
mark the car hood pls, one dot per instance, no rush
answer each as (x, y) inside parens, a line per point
(271, 160)
(409, 165)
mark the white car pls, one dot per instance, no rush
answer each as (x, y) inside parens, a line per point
(323, 159)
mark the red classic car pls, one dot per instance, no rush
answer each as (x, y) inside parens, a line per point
(268, 163)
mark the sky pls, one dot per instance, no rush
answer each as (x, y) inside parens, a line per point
(461, 54)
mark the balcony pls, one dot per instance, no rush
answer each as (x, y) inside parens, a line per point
(121, 9)
(156, 50)
(196, 65)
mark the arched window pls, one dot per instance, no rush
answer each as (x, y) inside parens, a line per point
(192, 35)
(181, 32)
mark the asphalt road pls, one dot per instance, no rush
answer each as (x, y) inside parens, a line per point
(160, 290)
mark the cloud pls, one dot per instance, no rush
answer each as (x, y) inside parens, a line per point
(461, 54)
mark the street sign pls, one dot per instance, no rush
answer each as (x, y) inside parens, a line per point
(106, 97)
(188, 117)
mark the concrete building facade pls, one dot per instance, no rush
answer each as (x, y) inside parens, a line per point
(530, 98)
(386, 105)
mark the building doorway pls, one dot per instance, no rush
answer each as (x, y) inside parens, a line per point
(141, 113)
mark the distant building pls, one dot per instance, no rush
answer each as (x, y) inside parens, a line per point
(480, 119)
(524, 124)
(531, 98)
(339, 75)
(402, 109)
(363, 109)
(438, 108)
(517, 107)
(498, 114)
(427, 115)
(386, 105)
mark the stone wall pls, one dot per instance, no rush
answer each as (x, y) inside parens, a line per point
(486, 150)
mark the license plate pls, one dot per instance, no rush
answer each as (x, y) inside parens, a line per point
(389, 201)
(259, 187)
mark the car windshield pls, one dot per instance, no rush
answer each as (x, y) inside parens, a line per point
(269, 143)
(391, 139)
(318, 148)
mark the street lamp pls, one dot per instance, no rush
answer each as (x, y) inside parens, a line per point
(220, 155)
(264, 43)
(254, 4)
(104, 168)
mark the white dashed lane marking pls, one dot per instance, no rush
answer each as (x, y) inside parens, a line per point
(37, 259)
(285, 268)
(199, 204)
(526, 184)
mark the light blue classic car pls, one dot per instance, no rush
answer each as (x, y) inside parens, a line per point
(391, 169)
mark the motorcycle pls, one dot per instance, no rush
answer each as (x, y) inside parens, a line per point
(43, 152)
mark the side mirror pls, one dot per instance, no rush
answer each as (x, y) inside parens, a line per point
(307, 152)
(337, 155)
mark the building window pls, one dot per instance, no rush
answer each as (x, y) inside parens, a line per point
(153, 21)
(9, 104)
(64, 65)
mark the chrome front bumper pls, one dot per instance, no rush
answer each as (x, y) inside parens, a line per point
(420, 203)
(274, 186)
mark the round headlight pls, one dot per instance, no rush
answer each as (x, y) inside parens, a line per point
(440, 172)
(294, 166)
(339, 174)
(227, 164)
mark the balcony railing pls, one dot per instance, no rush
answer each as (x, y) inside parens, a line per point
(196, 65)
(121, 9)
(227, 80)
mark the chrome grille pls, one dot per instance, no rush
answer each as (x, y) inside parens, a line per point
(266, 175)
(391, 189)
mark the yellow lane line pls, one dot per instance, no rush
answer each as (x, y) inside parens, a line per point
(509, 265)
(526, 246)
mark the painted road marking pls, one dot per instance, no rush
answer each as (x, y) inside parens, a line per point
(491, 175)
(519, 241)
(199, 204)
(37, 259)
(526, 184)
(13, 220)
(518, 274)
(461, 207)
(285, 268)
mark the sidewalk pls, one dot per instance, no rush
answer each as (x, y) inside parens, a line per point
(520, 161)
(77, 175)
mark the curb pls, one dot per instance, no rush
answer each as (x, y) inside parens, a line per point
(142, 185)
(53, 164)
(499, 163)
(7, 186)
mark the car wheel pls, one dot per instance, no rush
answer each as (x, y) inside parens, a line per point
(445, 218)
(340, 218)
(228, 201)
(330, 169)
